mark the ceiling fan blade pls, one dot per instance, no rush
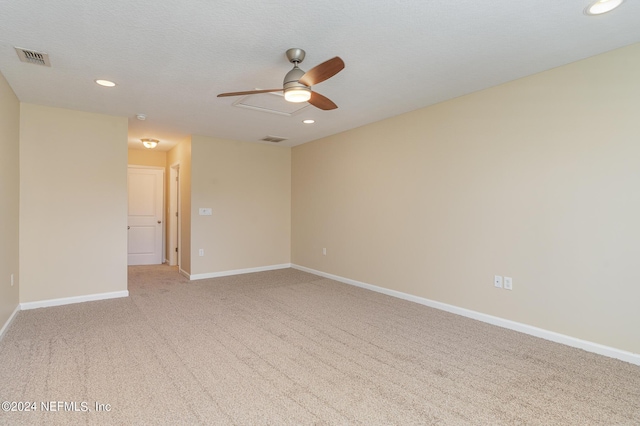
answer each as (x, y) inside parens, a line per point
(248, 92)
(322, 72)
(322, 102)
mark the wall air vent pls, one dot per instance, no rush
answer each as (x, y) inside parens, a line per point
(274, 139)
(33, 57)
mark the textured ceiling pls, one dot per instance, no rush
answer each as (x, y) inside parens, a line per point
(170, 59)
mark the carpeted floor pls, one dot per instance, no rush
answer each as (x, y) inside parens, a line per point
(287, 347)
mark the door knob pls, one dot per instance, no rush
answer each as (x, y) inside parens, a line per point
(159, 221)
(128, 227)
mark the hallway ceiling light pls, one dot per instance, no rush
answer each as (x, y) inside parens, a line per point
(150, 143)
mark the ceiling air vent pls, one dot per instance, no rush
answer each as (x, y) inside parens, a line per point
(272, 103)
(274, 139)
(33, 57)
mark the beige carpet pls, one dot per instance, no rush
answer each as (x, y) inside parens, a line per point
(287, 347)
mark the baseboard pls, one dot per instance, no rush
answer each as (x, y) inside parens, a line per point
(70, 300)
(597, 348)
(237, 272)
(6, 325)
(183, 272)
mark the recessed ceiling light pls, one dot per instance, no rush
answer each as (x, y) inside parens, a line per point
(602, 6)
(105, 83)
(308, 121)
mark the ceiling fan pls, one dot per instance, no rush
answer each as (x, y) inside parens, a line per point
(297, 83)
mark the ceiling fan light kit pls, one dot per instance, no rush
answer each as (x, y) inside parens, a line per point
(297, 94)
(297, 83)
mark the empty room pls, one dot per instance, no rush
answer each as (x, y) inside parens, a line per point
(320, 213)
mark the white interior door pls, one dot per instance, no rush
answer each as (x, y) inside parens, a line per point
(146, 205)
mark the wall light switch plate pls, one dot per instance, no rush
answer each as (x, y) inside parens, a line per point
(497, 281)
(203, 211)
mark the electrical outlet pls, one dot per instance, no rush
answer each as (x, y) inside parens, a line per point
(497, 281)
(11, 280)
(508, 283)
(324, 251)
(201, 252)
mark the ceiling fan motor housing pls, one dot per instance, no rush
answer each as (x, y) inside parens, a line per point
(291, 80)
(292, 77)
(295, 56)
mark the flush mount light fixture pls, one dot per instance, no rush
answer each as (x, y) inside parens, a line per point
(150, 143)
(105, 83)
(602, 6)
(308, 121)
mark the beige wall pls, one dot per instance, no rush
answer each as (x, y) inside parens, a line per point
(9, 199)
(538, 179)
(73, 203)
(181, 154)
(248, 186)
(147, 157)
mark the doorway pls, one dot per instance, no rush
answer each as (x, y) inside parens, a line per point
(145, 187)
(173, 247)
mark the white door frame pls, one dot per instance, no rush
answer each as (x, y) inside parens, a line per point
(174, 215)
